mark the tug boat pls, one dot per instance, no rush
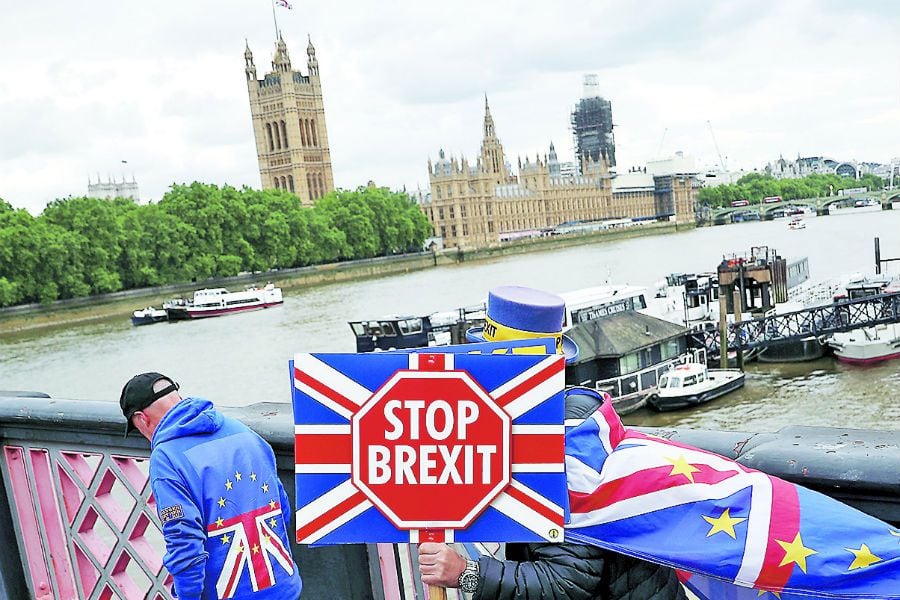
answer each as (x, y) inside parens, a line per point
(692, 384)
(215, 302)
(146, 316)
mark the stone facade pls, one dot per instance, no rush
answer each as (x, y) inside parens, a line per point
(482, 205)
(289, 125)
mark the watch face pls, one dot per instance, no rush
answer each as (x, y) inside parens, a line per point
(468, 582)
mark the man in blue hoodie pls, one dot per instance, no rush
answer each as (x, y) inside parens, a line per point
(223, 510)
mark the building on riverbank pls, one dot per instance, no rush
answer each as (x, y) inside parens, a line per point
(289, 125)
(484, 204)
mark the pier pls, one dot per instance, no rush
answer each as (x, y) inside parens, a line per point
(77, 519)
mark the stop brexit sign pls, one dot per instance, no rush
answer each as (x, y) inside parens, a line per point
(404, 447)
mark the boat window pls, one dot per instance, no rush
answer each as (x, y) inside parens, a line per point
(388, 328)
(663, 381)
(674, 382)
(690, 380)
(373, 329)
(358, 329)
(410, 326)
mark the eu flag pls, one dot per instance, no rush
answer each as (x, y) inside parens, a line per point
(737, 532)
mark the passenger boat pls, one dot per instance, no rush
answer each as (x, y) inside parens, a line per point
(215, 302)
(692, 384)
(797, 223)
(399, 332)
(867, 345)
(146, 316)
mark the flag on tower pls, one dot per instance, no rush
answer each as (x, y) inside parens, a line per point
(284, 4)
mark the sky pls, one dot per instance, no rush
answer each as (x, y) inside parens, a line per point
(85, 86)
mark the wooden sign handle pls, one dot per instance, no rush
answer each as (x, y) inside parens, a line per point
(436, 592)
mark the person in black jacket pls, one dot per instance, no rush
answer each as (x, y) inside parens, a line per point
(552, 571)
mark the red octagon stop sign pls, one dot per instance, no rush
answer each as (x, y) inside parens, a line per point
(431, 449)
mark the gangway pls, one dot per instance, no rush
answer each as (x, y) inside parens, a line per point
(817, 321)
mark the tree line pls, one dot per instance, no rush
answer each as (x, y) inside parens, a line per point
(755, 186)
(84, 246)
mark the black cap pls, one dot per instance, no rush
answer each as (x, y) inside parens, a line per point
(138, 394)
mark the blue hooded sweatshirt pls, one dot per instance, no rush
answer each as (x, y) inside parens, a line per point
(224, 512)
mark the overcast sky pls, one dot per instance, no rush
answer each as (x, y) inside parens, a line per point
(86, 85)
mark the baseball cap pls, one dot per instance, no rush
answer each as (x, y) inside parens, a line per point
(138, 394)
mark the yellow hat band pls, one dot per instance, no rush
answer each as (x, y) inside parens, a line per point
(495, 332)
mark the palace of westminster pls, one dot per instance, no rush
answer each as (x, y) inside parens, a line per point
(471, 205)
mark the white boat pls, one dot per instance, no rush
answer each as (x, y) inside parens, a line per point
(215, 302)
(692, 384)
(146, 316)
(867, 345)
(797, 223)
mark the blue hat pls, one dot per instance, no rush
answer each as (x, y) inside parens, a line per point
(515, 313)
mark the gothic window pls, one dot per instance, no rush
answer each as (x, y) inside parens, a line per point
(452, 215)
(284, 134)
(453, 230)
(309, 137)
(277, 185)
(303, 141)
(277, 135)
(309, 186)
(465, 229)
(269, 134)
(314, 136)
(321, 185)
(490, 227)
(283, 183)
(443, 231)
(441, 213)
(291, 183)
(462, 211)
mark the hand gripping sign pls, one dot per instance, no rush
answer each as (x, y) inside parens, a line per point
(402, 448)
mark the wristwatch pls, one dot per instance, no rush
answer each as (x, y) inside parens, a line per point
(468, 579)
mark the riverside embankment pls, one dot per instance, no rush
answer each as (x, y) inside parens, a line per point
(120, 304)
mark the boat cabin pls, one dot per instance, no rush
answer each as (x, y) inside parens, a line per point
(683, 376)
(393, 333)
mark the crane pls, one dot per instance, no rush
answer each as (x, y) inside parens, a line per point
(721, 160)
(661, 140)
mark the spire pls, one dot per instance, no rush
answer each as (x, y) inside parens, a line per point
(249, 67)
(311, 62)
(488, 120)
(281, 62)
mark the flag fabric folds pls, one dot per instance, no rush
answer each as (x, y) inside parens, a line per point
(284, 4)
(737, 532)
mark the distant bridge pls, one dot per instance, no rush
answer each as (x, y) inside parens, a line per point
(820, 205)
(817, 321)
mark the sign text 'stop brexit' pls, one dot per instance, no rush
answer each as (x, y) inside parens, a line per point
(465, 447)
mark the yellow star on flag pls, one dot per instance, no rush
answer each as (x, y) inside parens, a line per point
(272, 522)
(795, 552)
(255, 549)
(267, 537)
(237, 475)
(219, 522)
(228, 485)
(680, 466)
(225, 539)
(271, 504)
(725, 523)
(221, 502)
(252, 476)
(265, 488)
(864, 558)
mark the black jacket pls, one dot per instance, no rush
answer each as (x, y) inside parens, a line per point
(573, 571)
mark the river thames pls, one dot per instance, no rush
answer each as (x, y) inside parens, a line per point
(243, 359)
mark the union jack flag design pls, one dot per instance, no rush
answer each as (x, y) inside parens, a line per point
(253, 544)
(329, 389)
(737, 532)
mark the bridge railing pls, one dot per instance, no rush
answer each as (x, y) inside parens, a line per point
(817, 321)
(77, 517)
